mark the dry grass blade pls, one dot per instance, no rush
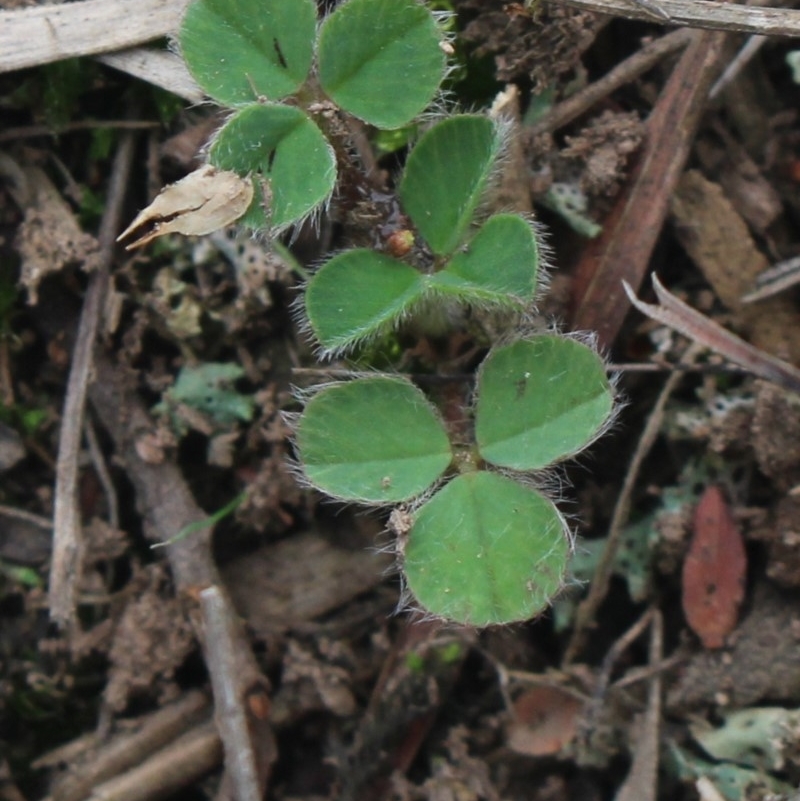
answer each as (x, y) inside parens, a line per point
(781, 276)
(676, 314)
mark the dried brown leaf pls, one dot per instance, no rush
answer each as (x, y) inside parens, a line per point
(714, 571)
(546, 720)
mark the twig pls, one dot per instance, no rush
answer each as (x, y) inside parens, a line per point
(618, 649)
(595, 704)
(642, 779)
(128, 750)
(29, 131)
(67, 545)
(587, 609)
(670, 367)
(28, 517)
(703, 14)
(183, 762)
(635, 675)
(100, 468)
(625, 72)
(230, 713)
(742, 59)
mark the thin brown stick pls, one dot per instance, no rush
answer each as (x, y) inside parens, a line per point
(126, 751)
(624, 641)
(67, 540)
(27, 517)
(618, 649)
(179, 765)
(99, 464)
(29, 131)
(625, 72)
(587, 609)
(636, 675)
(230, 715)
(702, 14)
(642, 780)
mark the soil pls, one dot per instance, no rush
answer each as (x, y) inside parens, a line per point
(667, 669)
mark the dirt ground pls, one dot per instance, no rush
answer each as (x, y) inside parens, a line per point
(667, 669)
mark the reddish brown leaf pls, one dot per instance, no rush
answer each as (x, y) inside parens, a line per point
(714, 571)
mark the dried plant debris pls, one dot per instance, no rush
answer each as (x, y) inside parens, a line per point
(458, 775)
(541, 45)
(272, 494)
(151, 641)
(49, 237)
(760, 663)
(776, 435)
(718, 241)
(313, 684)
(605, 147)
(298, 579)
(781, 534)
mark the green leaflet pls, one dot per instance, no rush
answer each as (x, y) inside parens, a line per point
(380, 59)
(373, 440)
(486, 550)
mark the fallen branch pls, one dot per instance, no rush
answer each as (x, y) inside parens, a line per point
(107, 762)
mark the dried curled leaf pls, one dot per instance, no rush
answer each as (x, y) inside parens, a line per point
(204, 201)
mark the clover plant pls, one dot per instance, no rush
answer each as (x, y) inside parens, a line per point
(479, 541)
(285, 76)
(482, 544)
